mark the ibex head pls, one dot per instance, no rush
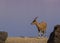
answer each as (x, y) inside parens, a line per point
(34, 21)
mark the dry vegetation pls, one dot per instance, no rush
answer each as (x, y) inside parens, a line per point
(26, 40)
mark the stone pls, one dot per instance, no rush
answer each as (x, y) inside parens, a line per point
(3, 36)
(55, 35)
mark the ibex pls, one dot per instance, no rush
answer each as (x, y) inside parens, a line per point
(40, 26)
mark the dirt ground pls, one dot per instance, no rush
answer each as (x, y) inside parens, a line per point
(26, 40)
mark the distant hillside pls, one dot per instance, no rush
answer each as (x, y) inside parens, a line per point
(26, 40)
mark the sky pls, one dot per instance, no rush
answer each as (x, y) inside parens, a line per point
(16, 16)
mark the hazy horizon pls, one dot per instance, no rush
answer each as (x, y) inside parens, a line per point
(16, 16)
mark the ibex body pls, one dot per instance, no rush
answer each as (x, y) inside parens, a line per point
(40, 26)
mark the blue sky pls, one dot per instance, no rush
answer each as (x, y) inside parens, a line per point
(16, 16)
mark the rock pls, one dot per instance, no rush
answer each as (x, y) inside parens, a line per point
(3, 36)
(55, 35)
(2, 41)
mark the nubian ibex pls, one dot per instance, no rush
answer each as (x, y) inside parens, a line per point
(40, 26)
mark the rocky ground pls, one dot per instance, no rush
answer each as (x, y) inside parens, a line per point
(26, 40)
